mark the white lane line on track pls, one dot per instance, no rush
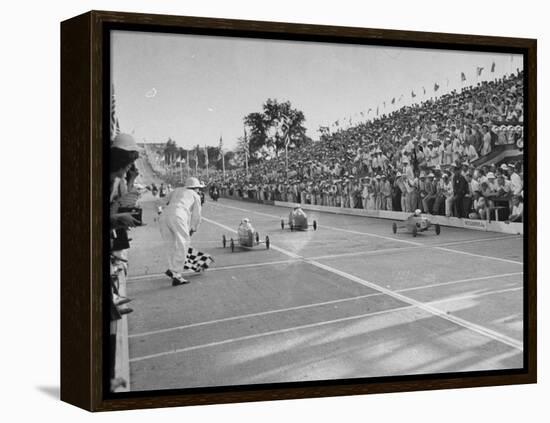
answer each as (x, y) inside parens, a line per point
(480, 255)
(246, 316)
(425, 307)
(437, 285)
(417, 244)
(319, 324)
(261, 335)
(214, 269)
(358, 297)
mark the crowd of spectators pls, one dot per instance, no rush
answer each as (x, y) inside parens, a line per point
(124, 214)
(426, 156)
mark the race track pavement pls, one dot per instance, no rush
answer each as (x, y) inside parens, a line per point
(350, 300)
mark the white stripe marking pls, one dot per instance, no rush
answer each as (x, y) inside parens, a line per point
(281, 310)
(261, 335)
(426, 307)
(246, 316)
(318, 324)
(436, 285)
(214, 269)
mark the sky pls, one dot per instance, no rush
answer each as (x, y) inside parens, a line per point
(196, 89)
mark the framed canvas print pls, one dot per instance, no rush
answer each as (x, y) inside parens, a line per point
(258, 211)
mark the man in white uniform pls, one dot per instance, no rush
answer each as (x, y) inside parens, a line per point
(180, 219)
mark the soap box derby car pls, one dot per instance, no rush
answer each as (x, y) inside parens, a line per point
(416, 223)
(247, 237)
(297, 220)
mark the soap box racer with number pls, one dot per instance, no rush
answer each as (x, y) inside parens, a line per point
(247, 237)
(416, 223)
(298, 221)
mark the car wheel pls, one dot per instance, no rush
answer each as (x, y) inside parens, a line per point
(415, 232)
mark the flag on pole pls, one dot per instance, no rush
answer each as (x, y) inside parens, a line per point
(206, 156)
(479, 70)
(197, 149)
(115, 126)
(424, 90)
(377, 109)
(393, 100)
(493, 67)
(246, 147)
(221, 156)
(413, 95)
(462, 77)
(220, 149)
(368, 111)
(436, 87)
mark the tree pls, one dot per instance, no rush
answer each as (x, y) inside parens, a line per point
(270, 127)
(171, 151)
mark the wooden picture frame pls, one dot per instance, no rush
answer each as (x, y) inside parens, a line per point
(84, 104)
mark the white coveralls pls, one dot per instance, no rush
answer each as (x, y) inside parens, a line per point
(179, 217)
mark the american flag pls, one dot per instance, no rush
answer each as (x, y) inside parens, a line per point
(479, 70)
(197, 260)
(115, 126)
(462, 76)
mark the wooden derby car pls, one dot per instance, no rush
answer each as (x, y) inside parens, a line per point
(416, 223)
(298, 221)
(247, 238)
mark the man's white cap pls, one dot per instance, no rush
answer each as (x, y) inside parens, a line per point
(193, 182)
(504, 166)
(125, 142)
(490, 175)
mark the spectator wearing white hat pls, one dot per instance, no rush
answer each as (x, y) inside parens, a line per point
(180, 219)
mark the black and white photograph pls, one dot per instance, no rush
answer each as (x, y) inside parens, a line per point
(287, 211)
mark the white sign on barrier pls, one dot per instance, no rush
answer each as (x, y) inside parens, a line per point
(475, 224)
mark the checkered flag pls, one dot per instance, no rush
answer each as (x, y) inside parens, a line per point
(197, 260)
